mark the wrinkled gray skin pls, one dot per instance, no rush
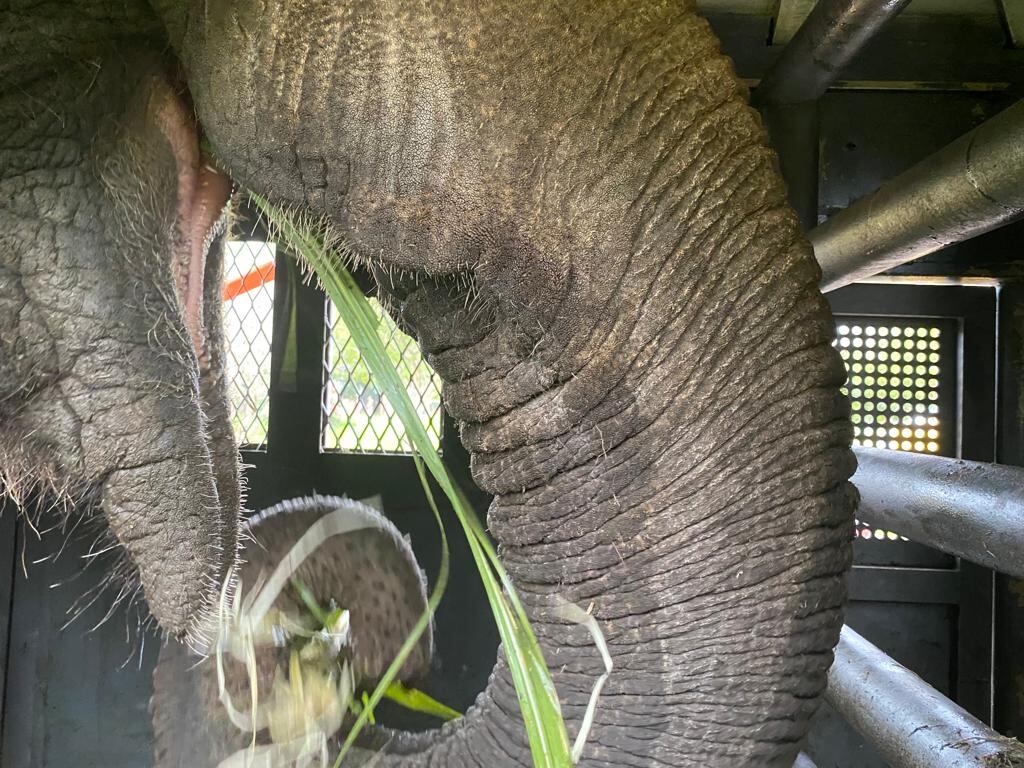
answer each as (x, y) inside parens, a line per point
(101, 397)
(644, 376)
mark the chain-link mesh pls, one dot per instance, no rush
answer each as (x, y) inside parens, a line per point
(248, 329)
(357, 418)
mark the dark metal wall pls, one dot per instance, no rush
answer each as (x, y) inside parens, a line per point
(75, 696)
(926, 609)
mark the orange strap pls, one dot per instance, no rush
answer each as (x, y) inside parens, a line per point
(254, 278)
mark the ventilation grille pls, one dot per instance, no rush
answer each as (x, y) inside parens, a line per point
(901, 384)
(894, 385)
(356, 417)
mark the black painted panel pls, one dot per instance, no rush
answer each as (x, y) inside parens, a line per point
(71, 701)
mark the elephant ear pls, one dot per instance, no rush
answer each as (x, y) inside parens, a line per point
(370, 571)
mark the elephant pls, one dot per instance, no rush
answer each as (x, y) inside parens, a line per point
(577, 213)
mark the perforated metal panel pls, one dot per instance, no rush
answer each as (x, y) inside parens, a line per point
(356, 417)
(248, 329)
(902, 381)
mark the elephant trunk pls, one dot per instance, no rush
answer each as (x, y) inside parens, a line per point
(177, 514)
(642, 366)
(167, 516)
(700, 512)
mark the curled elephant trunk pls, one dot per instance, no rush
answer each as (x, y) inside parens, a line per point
(582, 222)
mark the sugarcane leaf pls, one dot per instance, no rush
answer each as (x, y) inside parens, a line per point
(538, 700)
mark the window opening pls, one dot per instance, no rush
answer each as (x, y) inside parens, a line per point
(355, 416)
(248, 329)
(901, 382)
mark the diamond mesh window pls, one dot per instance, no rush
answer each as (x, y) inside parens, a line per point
(902, 387)
(248, 329)
(356, 417)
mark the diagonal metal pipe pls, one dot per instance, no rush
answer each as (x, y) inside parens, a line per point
(910, 723)
(831, 36)
(804, 761)
(833, 33)
(966, 508)
(972, 186)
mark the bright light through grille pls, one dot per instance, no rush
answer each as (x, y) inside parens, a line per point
(356, 417)
(248, 329)
(895, 383)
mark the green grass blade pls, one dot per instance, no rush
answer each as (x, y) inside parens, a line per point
(418, 701)
(311, 604)
(538, 700)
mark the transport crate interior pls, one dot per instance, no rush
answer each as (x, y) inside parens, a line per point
(593, 323)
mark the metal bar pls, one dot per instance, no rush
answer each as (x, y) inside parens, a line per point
(1013, 16)
(966, 508)
(795, 135)
(831, 36)
(919, 586)
(972, 186)
(10, 531)
(1009, 661)
(791, 14)
(803, 761)
(975, 623)
(910, 723)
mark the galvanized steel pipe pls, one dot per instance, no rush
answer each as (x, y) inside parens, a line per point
(910, 723)
(969, 509)
(974, 185)
(834, 32)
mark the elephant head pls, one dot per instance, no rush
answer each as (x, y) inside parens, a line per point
(111, 392)
(576, 212)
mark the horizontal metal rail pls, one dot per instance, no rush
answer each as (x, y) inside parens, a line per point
(831, 36)
(972, 186)
(969, 509)
(910, 723)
